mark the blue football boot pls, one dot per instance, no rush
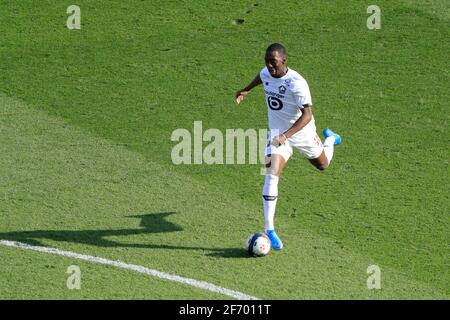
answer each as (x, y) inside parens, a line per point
(328, 133)
(275, 241)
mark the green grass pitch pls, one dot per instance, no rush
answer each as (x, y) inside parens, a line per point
(86, 118)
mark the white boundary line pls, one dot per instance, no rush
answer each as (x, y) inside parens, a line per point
(118, 264)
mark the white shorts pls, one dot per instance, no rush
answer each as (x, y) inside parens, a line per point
(306, 141)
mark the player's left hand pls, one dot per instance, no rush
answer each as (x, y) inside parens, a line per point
(240, 96)
(279, 140)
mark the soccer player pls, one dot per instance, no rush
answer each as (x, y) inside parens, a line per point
(291, 125)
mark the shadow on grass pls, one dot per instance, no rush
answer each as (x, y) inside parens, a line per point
(150, 223)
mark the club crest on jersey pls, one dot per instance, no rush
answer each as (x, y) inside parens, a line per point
(282, 89)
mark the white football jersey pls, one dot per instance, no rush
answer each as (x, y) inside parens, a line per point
(285, 98)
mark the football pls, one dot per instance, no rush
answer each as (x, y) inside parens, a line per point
(258, 244)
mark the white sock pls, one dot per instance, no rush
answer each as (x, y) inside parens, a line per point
(328, 147)
(270, 196)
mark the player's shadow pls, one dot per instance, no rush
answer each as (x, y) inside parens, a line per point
(150, 223)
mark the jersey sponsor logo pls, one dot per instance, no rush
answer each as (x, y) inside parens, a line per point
(274, 103)
(271, 93)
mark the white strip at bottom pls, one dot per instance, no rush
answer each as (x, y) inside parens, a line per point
(118, 264)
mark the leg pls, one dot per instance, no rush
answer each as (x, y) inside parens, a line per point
(274, 164)
(323, 161)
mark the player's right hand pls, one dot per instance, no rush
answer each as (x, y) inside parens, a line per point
(240, 96)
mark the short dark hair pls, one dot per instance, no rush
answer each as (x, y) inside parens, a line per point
(276, 47)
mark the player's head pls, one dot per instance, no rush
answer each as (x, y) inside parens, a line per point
(276, 60)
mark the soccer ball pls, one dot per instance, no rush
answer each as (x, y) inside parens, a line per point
(258, 244)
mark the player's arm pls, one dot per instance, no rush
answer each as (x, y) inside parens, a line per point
(298, 125)
(242, 93)
(301, 122)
